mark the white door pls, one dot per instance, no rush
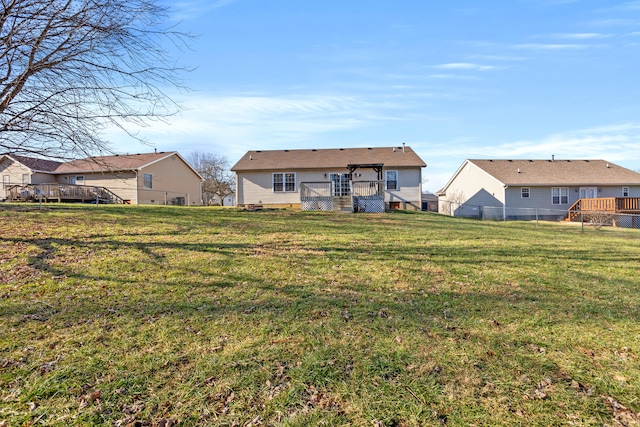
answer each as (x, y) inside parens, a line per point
(341, 185)
(588, 192)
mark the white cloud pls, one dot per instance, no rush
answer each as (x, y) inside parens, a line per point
(551, 46)
(618, 143)
(464, 66)
(582, 36)
(238, 123)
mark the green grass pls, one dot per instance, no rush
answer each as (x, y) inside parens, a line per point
(140, 315)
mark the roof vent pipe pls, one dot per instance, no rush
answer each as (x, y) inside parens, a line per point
(553, 157)
(403, 145)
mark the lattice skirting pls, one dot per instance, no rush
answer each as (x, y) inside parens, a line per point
(369, 204)
(316, 204)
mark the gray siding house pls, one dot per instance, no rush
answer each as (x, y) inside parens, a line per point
(357, 179)
(506, 187)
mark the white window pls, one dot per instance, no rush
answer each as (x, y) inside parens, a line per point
(6, 180)
(525, 192)
(25, 178)
(76, 180)
(147, 181)
(392, 180)
(560, 195)
(284, 181)
(625, 192)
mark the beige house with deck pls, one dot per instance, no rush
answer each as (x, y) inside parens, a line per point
(348, 179)
(159, 178)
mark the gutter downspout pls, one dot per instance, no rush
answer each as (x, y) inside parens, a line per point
(137, 185)
(504, 204)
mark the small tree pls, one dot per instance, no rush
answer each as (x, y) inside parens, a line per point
(71, 68)
(218, 179)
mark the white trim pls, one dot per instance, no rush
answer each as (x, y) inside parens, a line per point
(560, 195)
(386, 180)
(144, 181)
(283, 182)
(626, 191)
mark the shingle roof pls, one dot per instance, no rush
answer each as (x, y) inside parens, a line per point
(112, 163)
(327, 158)
(558, 172)
(40, 165)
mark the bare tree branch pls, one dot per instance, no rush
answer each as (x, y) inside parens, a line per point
(71, 68)
(218, 179)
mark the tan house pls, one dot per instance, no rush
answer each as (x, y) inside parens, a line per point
(352, 179)
(503, 188)
(152, 178)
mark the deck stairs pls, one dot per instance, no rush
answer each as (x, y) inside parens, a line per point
(343, 204)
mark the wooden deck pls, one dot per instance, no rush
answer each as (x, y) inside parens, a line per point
(62, 193)
(604, 205)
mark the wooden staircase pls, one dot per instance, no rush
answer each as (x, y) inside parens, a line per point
(342, 204)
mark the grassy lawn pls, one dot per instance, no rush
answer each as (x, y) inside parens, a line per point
(160, 316)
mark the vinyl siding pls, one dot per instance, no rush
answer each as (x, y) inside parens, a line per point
(122, 184)
(14, 171)
(172, 178)
(257, 188)
(469, 190)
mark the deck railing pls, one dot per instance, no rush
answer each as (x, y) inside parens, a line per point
(366, 196)
(605, 205)
(328, 189)
(367, 188)
(62, 192)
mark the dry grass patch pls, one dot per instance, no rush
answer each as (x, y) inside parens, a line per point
(198, 316)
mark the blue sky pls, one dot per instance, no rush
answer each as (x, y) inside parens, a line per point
(452, 79)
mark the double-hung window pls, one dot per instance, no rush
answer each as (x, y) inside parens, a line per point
(625, 192)
(25, 178)
(77, 180)
(284, 182)
(560, 195)
(525, 192)
(147, 181)
(391, 180)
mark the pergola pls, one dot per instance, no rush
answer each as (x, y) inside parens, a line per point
(375, 166)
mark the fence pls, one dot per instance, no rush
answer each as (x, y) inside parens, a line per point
(499, 213)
